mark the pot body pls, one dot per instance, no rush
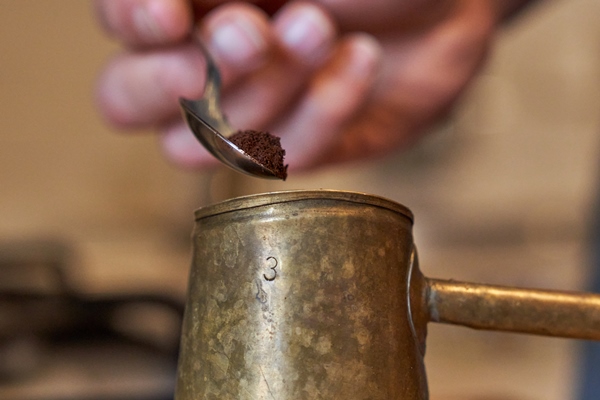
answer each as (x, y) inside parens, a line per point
(302, 295)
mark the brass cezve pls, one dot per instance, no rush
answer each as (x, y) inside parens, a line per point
(318, 295)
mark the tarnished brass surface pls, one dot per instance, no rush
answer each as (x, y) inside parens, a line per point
(300, 296)
(318, 295)
(550, 313)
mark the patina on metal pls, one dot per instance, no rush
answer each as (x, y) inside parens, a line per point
(318, 295)
(548, 313)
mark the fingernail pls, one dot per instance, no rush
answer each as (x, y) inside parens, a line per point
(307, 32)
(365, 57)
(145, 22)
(237, 40)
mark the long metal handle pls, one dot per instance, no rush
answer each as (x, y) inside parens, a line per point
(541, 312)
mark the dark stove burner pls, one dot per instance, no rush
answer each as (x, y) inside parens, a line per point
(56, 343)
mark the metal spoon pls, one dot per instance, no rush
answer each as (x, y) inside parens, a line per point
(205, 119)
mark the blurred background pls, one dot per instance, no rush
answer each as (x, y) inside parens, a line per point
(503, 193)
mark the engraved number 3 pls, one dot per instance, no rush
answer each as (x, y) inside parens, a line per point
(272, 268)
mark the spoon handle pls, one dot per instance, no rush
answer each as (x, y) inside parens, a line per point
(212, 88)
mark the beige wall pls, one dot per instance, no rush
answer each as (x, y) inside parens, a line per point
(501, 194)
(63, 173)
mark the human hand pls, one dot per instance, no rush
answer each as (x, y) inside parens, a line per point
(332, 95)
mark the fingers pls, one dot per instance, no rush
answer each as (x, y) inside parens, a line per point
(145, 22)
(332, 100)
(238, 37)
(305, 36)
(138, 89)
(267, 68)
(306, 32)
(382, 15)
(423, 75)
(141, 89)
(304, 39)
(290, 73)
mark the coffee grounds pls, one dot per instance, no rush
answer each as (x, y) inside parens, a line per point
(264, 148)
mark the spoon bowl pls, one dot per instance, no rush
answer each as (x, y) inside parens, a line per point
(209, 125)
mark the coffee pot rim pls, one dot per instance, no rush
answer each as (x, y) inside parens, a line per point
(277, 197)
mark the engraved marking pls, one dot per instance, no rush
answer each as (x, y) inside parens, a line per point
(273, 268)
(265, 378)
(261, 295)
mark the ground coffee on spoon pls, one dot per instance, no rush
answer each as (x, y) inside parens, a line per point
(264, 148)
